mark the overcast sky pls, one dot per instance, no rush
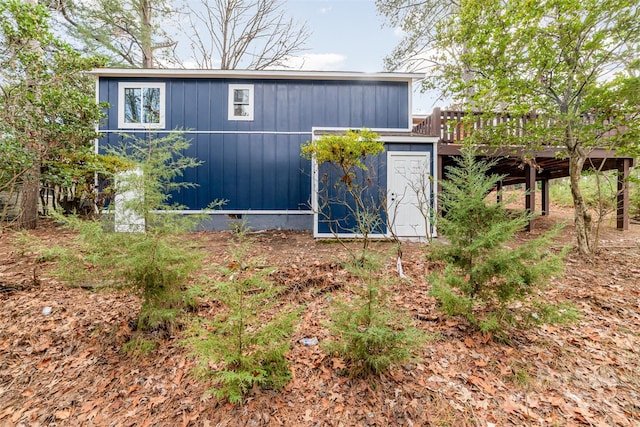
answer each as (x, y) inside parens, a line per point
(348, 35)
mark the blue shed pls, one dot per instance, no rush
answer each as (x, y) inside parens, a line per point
(248, 126)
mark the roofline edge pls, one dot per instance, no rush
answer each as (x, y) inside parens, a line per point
(255, 74)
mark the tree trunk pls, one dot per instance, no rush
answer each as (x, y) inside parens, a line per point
(147, 30)
(28, 218)
(582, 217)
(28, 215)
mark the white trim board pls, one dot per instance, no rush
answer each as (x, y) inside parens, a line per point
(349, 236)
(315, 129)
(211, 132)
(434, 190)
(234, 212)
(400, 135)
(256, 74)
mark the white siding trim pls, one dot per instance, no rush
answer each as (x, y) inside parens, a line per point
(214, 132)
(410, 106)
(255, 74)
(96, 148)
(96, 141)
(234, 212)
(314, 194)
(349, 236)
(434, 172)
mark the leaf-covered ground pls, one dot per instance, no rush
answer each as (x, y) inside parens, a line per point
(67, 367)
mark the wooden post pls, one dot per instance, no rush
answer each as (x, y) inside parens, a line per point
(435, 122)
(530, 188)
(445, 128)
(545, 197)
(499, 191)
(439, 178)
(622, 214)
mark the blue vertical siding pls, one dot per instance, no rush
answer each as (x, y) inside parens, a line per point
(256, 165)
(266, 103)
(335, 212)
(280, 105)
(249, 171)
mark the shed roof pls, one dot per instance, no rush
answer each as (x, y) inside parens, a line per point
(255, 74)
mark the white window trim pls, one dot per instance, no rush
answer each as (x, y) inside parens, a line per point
(232, 115)
(139, 85)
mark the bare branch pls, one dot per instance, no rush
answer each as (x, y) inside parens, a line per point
(254, 34)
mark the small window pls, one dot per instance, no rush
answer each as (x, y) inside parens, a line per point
(240, 102)
(141, 105)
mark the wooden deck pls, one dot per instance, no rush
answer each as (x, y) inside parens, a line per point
(520, 166)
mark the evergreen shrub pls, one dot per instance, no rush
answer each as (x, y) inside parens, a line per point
(368, 332)
(247, 347)
(490, 279)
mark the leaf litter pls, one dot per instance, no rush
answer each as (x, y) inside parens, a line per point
(67, 367)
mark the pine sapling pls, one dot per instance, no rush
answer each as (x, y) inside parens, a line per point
(368, 332)
(247, 345)
(489, 279)
(157, 262)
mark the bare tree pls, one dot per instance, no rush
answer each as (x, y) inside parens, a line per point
(252, 34)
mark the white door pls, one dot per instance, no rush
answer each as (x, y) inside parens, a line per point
(408, 192)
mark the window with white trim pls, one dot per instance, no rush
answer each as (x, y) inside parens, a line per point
(141, 105)
(240, 102)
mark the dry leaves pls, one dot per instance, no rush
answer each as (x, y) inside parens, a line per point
(66, 368)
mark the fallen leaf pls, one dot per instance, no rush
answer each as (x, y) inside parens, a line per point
(8, 411)
(157, 400)
(307, 416)
(43, 363)
(178, 376)
(16, 415)
(63, 414)
(482, 384)
(338, 363)
(556, 401)
(504, 369)
(510, 406)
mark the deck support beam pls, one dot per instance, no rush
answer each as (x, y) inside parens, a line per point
(530, 191)
(622, 211)
(499, 192)
(551, 167)
(545, 197)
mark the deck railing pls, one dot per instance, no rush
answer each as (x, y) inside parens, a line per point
(448, 126)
